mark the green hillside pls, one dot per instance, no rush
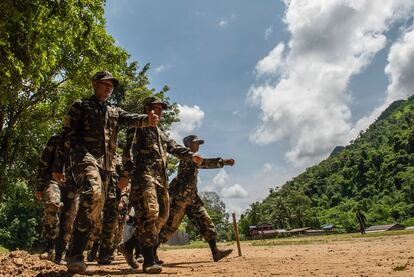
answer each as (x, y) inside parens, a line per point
(374, 173)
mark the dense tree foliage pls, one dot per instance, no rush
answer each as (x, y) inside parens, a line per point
(375, 173)
(49, 51)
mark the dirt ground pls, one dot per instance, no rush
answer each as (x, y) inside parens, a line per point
(373, 256)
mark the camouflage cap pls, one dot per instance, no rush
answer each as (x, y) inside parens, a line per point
(192, 138)
(154, 100)
(105, 75)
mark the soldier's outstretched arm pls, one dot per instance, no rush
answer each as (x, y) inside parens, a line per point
(137, 120)
(210, 163)
(68, 135)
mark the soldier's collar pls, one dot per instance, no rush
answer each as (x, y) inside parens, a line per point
(106, 103)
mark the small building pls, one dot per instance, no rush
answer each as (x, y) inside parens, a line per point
(307, 231)
(383, 228)
(328, 228)
(314, 232)
(264, 231)
(299, 231)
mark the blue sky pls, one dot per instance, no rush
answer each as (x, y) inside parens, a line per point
(274, 84)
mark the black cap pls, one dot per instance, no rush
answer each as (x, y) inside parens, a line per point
(192, 138)
(105, 75)
(154, 100)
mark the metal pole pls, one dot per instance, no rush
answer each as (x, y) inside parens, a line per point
(236, 234)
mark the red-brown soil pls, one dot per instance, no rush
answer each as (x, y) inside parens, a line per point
(372, 256)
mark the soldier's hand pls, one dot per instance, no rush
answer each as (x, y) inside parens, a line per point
(58, 177)
(229, 162)
(197, 159)
(123, 183)
(38, 195)
(153, 118)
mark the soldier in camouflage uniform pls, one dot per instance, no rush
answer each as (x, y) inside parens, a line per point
(185, 199)
(49, 192)
(149, 187)
(69, 196)
(90, 136)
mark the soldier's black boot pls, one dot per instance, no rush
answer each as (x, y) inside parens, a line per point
(127, 249)
(75, 263)
(156, 259)
(60, 246)
(40, 246)
(93, 251)
(58, 258)
(217, 253)
(105, 256)
(149, 263)
(48, 252)
(138, 252)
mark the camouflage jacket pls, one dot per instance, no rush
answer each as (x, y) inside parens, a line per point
(184, 185)
(145, 154)
(46, 162)
(92, 127)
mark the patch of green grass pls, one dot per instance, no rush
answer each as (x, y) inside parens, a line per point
(4, 250)
(400, 268)
(327, 238)
(192, 245)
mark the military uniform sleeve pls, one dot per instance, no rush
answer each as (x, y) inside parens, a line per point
(47, 160)
(132, 120)
(127, 157)
(179, 151)
(70, 128)
(211, 163)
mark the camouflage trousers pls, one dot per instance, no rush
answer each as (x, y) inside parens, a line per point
(96, 232)
(197, 214)
(51, 208)
(151, 204)
(105, 228)
(119, 232)
(93, 183)
(70, 199)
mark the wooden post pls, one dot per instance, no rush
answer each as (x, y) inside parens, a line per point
(236, 234)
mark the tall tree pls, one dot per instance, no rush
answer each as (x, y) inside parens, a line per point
(48, 52)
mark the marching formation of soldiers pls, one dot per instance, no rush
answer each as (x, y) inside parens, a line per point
(88, 190)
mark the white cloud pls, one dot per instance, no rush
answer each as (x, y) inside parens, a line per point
(190, 119)
(267, 167)
(400, 71)
(224, 23)
(221, 178)
(268, 33)
(232, 208)
(162, 68)
(305, 98)
(272, 62)
(400, 68)
(234, 191)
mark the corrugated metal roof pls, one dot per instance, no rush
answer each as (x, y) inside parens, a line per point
(299, 229)
(382, 227)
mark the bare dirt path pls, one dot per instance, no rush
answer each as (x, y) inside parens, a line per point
(373, 256)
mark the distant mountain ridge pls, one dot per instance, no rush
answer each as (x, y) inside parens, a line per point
(375, 173)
